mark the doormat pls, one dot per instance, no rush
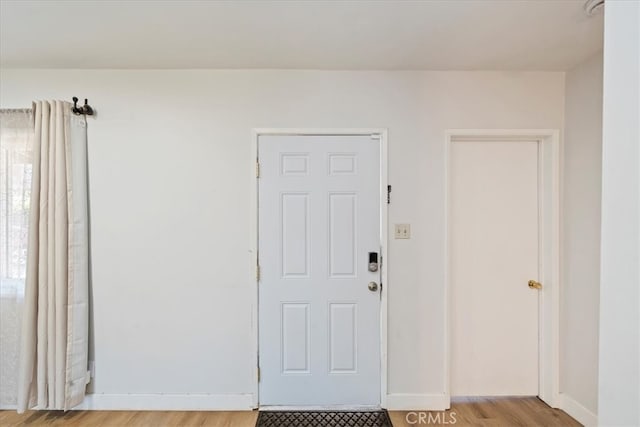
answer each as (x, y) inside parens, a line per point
(323, 419)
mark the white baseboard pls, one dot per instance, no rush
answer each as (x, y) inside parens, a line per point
(424, 402)
(167, 402)
(577, 411)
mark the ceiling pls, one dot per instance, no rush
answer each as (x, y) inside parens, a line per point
(303, 34)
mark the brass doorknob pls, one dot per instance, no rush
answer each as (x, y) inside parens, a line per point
(535, 285)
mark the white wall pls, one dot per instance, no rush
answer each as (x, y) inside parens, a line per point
(169, 169)
(619, 376)
(580, 291)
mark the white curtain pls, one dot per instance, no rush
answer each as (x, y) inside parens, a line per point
(52, 370)
(16, 143)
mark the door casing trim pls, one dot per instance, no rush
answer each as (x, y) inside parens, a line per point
(384, 231)
(549, 213)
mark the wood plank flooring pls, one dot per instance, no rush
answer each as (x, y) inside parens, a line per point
(130, 418)
(489, 412)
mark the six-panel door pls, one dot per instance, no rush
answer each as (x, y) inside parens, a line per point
(319, 218)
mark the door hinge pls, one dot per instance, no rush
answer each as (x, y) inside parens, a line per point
(258, 272)
(257, 169)
(388, 194)
(258, 373)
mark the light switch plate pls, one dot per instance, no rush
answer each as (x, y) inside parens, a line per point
(403, 231)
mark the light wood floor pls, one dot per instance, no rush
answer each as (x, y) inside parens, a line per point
(489, 412)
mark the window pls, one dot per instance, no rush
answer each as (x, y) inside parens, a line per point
(16, 141)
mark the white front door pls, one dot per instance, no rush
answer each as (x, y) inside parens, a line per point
(319, 224)
(493, 255)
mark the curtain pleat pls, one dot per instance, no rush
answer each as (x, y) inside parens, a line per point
(51, 367)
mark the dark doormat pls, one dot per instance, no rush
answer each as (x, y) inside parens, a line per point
(323, 419)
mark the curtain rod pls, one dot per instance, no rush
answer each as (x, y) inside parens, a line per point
(82, 110)
(16, 110)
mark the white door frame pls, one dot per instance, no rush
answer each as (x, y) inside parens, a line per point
(253, 235)
(549, 176)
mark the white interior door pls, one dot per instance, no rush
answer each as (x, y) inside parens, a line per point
(319, 220)
(493, 254)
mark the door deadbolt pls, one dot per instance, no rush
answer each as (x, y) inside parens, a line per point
(373, 286)
(373, 262)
